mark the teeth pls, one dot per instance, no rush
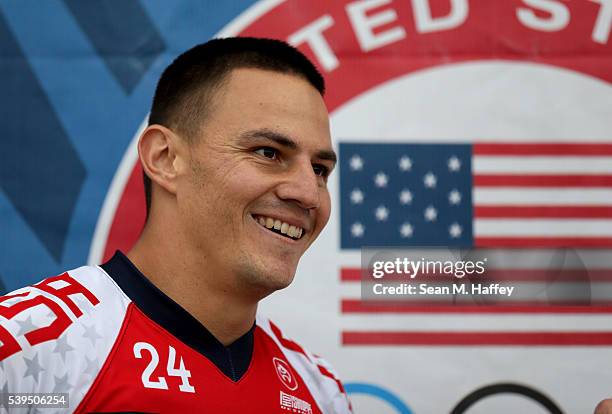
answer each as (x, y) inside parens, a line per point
(285, 228)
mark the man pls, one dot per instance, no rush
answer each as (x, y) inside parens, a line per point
(236, 158)
(604, 407)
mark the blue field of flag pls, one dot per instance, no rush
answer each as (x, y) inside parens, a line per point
(405, 195)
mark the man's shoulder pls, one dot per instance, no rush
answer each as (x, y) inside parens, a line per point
(317, 373)
(54, 304)
(57, 333)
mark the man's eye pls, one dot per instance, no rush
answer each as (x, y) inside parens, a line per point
(320, 170)
(267, 152)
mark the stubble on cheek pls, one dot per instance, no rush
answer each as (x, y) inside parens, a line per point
(262, 279)
(208, 218)
(220, 208)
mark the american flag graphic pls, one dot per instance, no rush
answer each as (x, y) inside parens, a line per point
(485, 195)
(544, 207)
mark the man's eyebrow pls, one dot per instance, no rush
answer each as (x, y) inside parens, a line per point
(280, 139)
(327, 155)
(285, 141)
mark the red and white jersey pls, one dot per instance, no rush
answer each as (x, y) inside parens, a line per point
(116, 344)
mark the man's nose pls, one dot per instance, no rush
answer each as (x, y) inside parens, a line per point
(300, 185)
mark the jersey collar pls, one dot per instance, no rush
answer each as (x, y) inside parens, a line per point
(233, 360)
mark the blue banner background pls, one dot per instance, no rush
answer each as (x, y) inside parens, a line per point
(77, 81)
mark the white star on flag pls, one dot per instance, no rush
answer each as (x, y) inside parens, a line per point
(405, 163)
(356, 196)
(431, 213)
(381, 179)
(454, 164)
(405, 197)
(357, 229)
(356, 163)
(454, 197)
(406, 230)
(455, 230)
(382, 213)
(430, 180)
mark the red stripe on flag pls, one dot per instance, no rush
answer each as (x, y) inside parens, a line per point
(352, 306)
(513, 275)
(478, 338)
(542, 180)
(550, 275)
(350, 274)
(543, 241)
(542, 212)
(593, 149)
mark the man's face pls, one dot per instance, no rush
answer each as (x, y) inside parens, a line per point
(261, 160)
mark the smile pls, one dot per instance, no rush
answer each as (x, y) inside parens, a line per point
(280, 227)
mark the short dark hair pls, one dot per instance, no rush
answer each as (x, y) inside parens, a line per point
(187, 85)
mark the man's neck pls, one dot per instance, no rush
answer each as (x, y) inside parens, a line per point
(225, 314)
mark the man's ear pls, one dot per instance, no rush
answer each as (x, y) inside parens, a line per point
(160, 152)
